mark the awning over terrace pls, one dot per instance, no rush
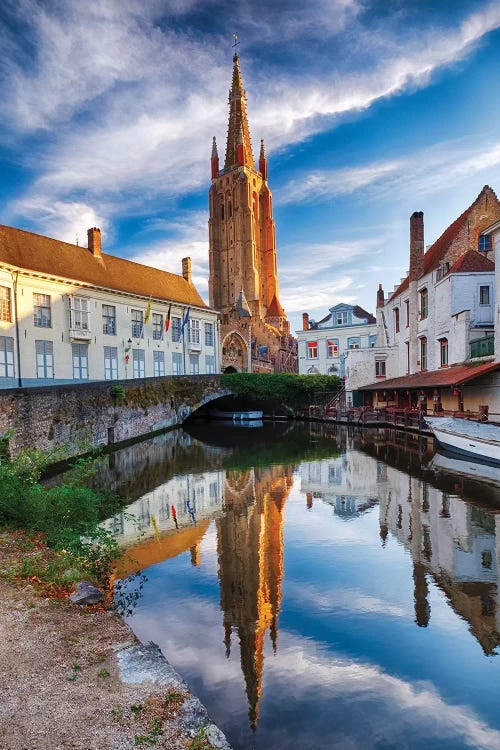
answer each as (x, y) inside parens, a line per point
(446, 377)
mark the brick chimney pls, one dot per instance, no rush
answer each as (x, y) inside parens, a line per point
(186, 270)
(94, 241)
(305, 321)
(416, 246)
(380, 296)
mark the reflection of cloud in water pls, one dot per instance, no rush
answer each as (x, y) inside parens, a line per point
(350, 600)
(367, 706)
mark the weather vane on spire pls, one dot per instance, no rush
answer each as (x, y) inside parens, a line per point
(236, 42)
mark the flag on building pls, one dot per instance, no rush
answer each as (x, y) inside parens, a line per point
(167, 319)
(185, 321)
(147, 314)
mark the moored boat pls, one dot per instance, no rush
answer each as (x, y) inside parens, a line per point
(236, 416)
(461, 436)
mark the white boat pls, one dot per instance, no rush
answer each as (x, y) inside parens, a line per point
(475, 439)
(237, 416)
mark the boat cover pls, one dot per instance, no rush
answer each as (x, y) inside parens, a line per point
(465, 427)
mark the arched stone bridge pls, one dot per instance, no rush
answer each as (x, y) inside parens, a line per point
(76, 416)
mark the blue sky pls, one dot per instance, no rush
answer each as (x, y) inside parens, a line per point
(369, 111)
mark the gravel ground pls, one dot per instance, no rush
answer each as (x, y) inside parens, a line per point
(63, 683)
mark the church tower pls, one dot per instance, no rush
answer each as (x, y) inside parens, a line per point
(243, 281)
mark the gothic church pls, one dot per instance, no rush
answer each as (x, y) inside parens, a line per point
(243, 283)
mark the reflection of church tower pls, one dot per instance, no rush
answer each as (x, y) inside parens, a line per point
(243, 282)
(250, 553)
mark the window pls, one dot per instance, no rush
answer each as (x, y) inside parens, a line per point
(396, 319)
(80, 353)
(443, 349)
(312, 350)
(209, 334)
(79, 314)
(423, 353)
(44, 359)
(194, 364)
(380, 368)
(138, 361)
(424, 304)
(159, 364)
(484, 295)
(137, 324)
(407, 344)
(353, 342)
(332, 348)
(41, 310)
(6, 357)
(110, 363)
(109, 320)
(342, 318)
(210, 364)
(176, 329)
(194, 331)
(484, 242)
(372, 340)
(177, 363)
(5, 305)
(407, 312)
(157, 328)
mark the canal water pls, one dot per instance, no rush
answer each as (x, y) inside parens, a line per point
(317, 587)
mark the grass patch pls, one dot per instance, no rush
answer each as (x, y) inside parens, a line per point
(64, 518)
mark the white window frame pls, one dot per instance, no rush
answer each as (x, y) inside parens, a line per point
(110, 363)
(194, 331)
(209, 334)
(42, 311)
(79, 313)
(109, 320)
(7, 357)
(5, 304)
(158, 364)
(44, 358)
(177, 363)
(138, 363)
(194, 364)
(312, 349)
(80, 361)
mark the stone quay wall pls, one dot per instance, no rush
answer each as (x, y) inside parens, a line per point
(76, 417)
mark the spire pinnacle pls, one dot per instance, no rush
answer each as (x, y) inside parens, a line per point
(237, 120)
(215, 155)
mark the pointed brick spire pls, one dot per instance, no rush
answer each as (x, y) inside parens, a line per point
(215, 159)
(238, 121)
(263, 161)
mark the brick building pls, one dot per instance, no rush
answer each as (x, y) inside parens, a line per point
(243, 283)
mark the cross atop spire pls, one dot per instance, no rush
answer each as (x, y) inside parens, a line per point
(238, 120)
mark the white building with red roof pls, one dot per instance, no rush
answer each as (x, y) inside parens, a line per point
(441, 315)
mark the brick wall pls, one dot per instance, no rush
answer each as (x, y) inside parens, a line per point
(77, 416)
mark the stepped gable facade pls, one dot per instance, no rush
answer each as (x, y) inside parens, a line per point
(243, 282)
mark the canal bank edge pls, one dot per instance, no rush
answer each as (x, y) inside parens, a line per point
(78, 677)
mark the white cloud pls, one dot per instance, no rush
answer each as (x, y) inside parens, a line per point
(139, 102)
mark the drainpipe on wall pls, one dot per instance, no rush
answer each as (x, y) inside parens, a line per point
(16, 322)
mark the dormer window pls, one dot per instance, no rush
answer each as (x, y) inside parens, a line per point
(484, 242)
(342, 318)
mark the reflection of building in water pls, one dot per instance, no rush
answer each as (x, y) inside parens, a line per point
(183, 500)
(350, 483)
(250, 554)
(456, 543)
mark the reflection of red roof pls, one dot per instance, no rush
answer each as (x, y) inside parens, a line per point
(446, 377)
(472, 262)
(50, 257)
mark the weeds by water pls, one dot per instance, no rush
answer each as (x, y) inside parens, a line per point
(66, 517)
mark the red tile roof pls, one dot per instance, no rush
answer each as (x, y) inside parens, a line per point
(54, 258)
(437, 251)
(275, 310)
(472, 262)
(445, 377)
